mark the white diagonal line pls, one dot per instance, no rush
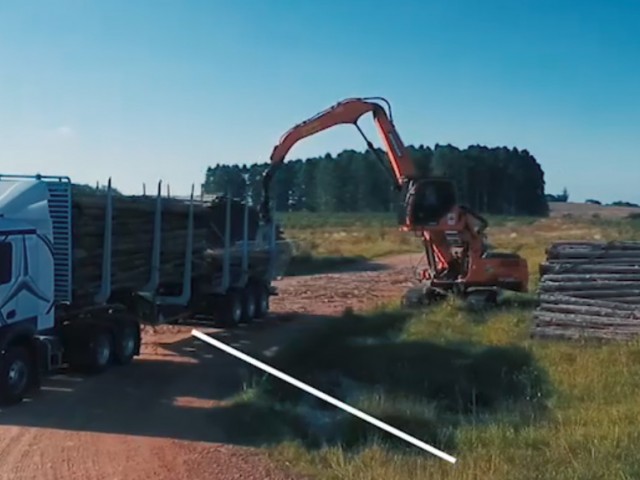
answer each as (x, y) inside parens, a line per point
(323, 396)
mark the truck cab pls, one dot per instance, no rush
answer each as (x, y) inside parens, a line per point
(26, 286)
(36, 287)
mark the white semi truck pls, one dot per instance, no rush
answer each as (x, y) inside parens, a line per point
(42, 329)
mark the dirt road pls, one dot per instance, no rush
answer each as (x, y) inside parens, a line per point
(159, 417)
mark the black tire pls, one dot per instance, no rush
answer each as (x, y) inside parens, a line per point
(100, 350)
(232, 309)
(248, 304)
(92, 350)
(419, 297)
(262, 297)
(480, 300)
(16, 375)
(125, 342)
(413, 298)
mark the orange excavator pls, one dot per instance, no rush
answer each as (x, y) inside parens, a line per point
(459, 261)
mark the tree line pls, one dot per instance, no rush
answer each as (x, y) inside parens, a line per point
(497, 180)
(564, 197)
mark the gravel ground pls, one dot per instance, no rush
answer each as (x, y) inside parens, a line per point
(155, 419)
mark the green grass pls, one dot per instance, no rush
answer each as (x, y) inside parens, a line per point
(510, 220)
(628, 229)
(471, 383)
(324, 242)
(305, 220)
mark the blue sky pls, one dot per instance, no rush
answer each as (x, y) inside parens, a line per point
(142, 90)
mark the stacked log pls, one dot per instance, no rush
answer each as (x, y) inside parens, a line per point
(132, 239)
(589, 289)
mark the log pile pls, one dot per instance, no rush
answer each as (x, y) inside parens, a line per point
(132, 239)
(589, 289)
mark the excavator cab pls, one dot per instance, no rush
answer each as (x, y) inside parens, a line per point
(426, 201)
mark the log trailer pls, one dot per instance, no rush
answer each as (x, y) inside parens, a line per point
(459, 261)
(42, 327)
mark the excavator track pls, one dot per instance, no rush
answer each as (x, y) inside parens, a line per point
(423, 296)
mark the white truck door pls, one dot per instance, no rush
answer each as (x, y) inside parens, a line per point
(9, 274)
(36, 275)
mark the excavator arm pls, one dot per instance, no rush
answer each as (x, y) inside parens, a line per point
(453, 236)
(348, 111)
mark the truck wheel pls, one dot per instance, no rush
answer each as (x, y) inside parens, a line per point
(232, 310)
(261, 295)
(16, 372)
(248, 304)
(99, 350)
(125, 342)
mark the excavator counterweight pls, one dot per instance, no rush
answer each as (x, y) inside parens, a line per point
(458, 259)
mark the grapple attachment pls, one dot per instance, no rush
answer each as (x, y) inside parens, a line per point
(426, 202)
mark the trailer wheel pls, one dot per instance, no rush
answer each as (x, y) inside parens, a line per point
(125, 343)
(248, 304)
(261, 295)
(232, 309)
(16, 372)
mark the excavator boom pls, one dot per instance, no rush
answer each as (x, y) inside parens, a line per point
(348, 111)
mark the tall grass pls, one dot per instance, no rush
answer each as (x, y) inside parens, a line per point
(325, 242)
(472, 383)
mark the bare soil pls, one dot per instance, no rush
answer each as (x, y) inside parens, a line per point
(159, 417)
